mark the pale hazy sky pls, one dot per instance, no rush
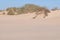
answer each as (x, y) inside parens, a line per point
(17, 3)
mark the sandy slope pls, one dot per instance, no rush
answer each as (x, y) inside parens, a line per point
(23, 27)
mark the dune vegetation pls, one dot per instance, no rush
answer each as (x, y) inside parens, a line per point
(27, 8)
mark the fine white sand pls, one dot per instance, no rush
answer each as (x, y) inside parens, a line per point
(23, 27)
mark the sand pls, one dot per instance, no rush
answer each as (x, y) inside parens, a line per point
(23, 27)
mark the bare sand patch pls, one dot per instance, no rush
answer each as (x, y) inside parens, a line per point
(23, 27)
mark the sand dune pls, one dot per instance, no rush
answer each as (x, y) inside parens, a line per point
(23, 27)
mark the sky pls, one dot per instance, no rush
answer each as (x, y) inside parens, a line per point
(18, 3)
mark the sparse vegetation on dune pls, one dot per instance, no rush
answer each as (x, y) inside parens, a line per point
(10, 12)
(55, 8)
(28, 8)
